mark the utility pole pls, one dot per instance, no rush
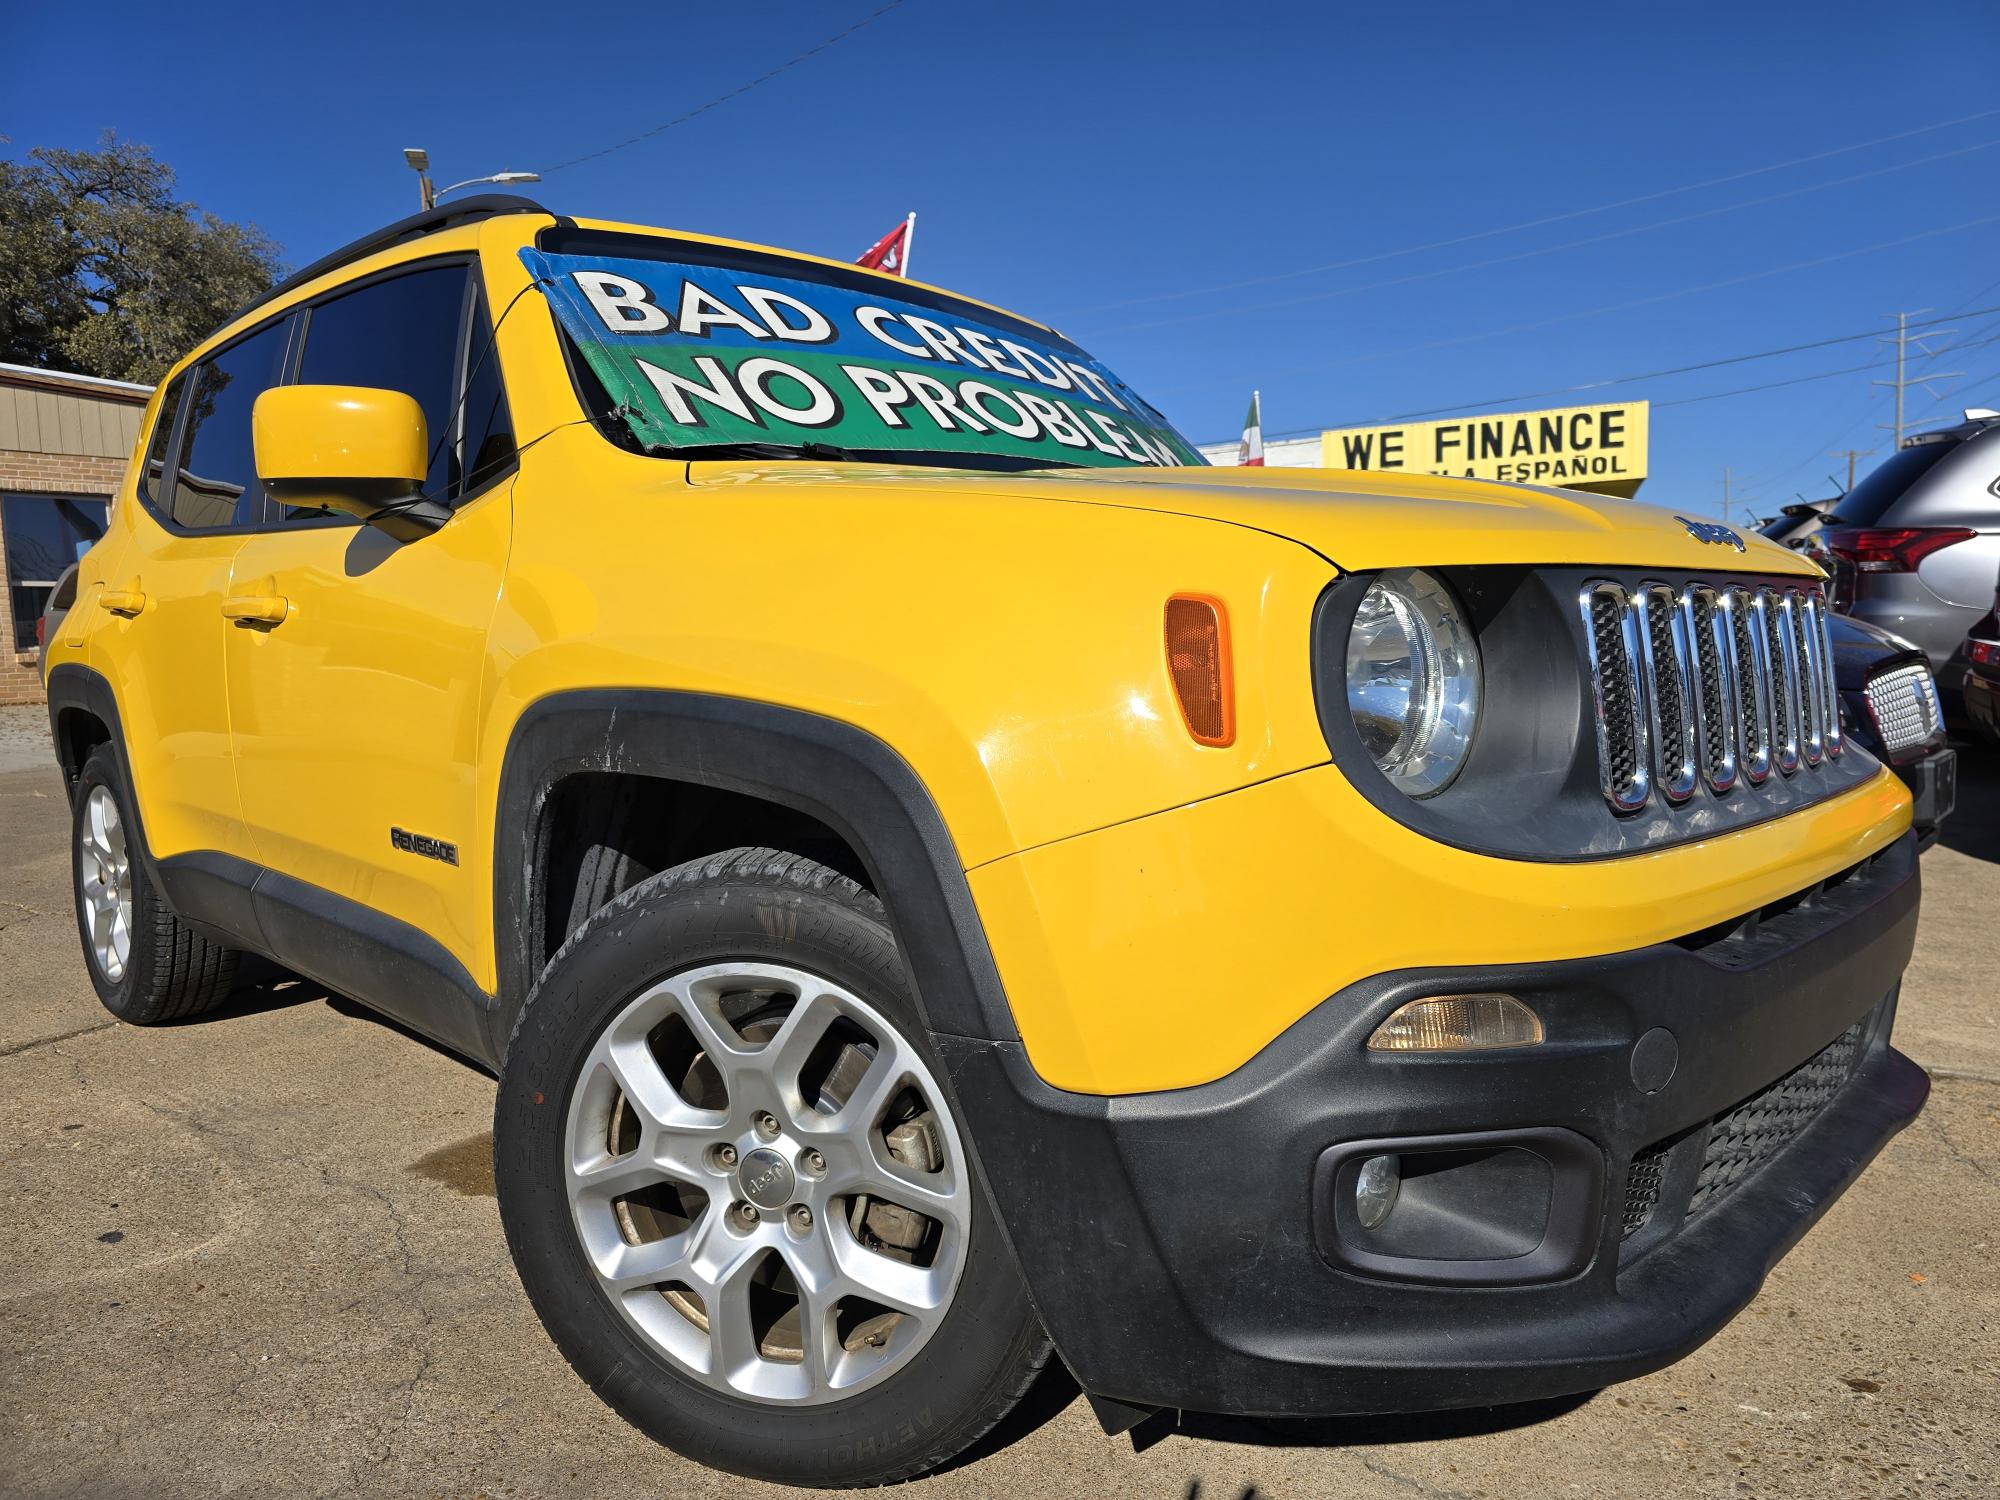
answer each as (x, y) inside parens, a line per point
(1903, 380)
(1725, 496)
(1850, 454)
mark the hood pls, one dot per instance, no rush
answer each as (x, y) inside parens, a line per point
(1357, 521)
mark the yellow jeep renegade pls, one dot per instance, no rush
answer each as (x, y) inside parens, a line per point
(943, 876)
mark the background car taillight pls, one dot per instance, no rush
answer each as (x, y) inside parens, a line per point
(1882, 549)
(1891, 549)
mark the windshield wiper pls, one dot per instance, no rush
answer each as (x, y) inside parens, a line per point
(761, 450)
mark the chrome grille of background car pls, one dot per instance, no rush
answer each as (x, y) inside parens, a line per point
(1706, 684)
(1904, 703)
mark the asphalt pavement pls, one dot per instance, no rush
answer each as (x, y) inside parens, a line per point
(257, 1254)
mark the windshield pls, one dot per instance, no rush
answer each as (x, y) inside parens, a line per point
(707, 351)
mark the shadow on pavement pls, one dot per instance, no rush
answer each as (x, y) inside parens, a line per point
(262, 987)
(1052, 1394)
(1355, 1432)
(1974, 825)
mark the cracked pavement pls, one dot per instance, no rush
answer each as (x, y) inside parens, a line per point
(258, 1254)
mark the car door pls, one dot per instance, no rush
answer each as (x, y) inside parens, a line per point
(164, 590)
(357, 669)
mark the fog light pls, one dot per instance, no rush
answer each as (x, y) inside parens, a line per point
(1375, 1189)
(1458, 1023)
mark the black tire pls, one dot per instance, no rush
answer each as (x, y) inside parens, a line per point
(171, 972)
(767, 906)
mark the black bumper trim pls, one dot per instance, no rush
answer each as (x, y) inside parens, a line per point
(1168, 1242)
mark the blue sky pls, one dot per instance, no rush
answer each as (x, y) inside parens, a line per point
(1122, 171)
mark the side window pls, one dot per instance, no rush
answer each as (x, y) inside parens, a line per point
(487, 442)
(216, 483)
(152, 483)
(398, 335)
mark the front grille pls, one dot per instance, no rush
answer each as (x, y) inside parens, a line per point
(1698, 684)
(1743, 1139)
(1903, 702)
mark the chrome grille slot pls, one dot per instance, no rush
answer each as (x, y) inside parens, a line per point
(1804, 641)
(1715, 714)
(1753, 685)
(1708, 684)
(1776, 636)
(1672, 705)
(1822, 633)
(1623, 753)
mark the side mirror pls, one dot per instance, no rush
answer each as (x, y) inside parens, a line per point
(349, 448)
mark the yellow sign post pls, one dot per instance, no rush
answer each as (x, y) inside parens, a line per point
(1596, 448)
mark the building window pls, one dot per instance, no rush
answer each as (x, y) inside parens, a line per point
(45, 534)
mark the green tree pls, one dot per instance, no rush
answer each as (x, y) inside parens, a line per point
(104, 272)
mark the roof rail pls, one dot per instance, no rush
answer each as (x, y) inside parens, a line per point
(430, 221)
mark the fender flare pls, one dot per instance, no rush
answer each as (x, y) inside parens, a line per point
(846, 778)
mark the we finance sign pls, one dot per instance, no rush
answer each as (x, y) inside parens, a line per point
(1575, 447)
(694, 355)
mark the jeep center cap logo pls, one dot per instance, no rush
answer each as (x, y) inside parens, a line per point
(766, 1178)
(1709, 531)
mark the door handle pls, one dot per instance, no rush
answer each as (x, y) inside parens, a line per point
(126, 602)
(266, 609)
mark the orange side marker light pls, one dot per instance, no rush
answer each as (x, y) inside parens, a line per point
(1198, 661)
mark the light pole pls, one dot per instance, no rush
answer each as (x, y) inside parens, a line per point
(419, 161)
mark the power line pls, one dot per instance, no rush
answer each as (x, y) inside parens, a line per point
(1522, 255)
(1858, 415)
(1576, 213)
(1615, 307)
(1747, 390)
(762, 78)
(1771, 385)
(1707, 364)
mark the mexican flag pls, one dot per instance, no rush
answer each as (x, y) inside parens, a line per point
(1251, 449)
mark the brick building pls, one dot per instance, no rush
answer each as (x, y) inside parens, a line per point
(64, 443)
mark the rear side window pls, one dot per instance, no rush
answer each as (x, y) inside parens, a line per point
(1869, 501)
(152, 483)
(401, 334)
(216, 483)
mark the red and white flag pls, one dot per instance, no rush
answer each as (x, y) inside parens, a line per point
(1251, 449)
(891, 253)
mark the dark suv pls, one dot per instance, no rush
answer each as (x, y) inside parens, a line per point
(1914, 547)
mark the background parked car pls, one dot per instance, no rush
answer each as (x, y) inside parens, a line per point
(61, 597)
(1914, 546)
(1795, 523)
(1982, 677)
(1890, 707)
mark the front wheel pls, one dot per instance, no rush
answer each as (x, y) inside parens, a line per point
(737, 1194)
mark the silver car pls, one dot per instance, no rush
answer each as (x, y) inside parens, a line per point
(1913, 548)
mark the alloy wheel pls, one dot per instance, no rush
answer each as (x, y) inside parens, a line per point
(105, 871)
(767, 1182)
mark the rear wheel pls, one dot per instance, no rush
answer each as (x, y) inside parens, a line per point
(148, 966)
(737, 1192)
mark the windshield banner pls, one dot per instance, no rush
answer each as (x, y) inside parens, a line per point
(706, 354)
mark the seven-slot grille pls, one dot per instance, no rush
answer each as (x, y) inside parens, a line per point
(1903, 701)
(1707, 684)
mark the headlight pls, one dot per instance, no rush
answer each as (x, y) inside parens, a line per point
(1413, 680)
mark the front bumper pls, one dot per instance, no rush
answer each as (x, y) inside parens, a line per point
(1170, 1240)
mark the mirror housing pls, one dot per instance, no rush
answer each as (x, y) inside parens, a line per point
(349, 448)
